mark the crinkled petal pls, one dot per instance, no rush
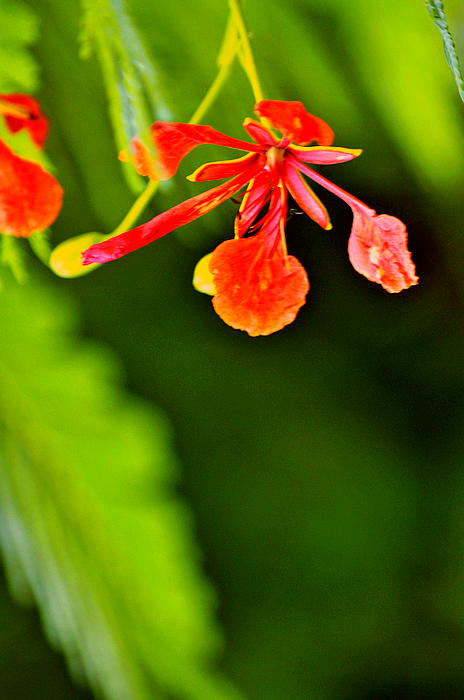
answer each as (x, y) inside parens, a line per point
(164, 223)
(294, 121)
(305, 197)
(28, 115)
(221, 169)
(175, 140)
(259, 133)
(255, 293)
(378, 250)
(30, 198)
(329, 155)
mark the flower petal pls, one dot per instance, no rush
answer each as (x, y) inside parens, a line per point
(293, 120)
(30, 198)
(164, 223)
(305, 197)
(175, 140)
(28, 116)
(259, 133)
(252, 202)
(378, 250)
(255, 293)
(329, 155)
(221, 169)
(203, 277)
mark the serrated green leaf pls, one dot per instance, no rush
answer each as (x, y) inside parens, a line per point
(129, 74)
(89, 521)
(437, 13)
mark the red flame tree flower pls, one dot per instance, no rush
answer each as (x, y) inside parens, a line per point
(30, 198)
(259, 287)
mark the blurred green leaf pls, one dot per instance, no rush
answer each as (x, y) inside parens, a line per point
(18, 28)
(90, 525)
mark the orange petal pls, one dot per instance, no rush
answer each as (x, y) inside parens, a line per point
(27, 115)
(378, 250)
(256, 294)
(30, 198)
(293, 120)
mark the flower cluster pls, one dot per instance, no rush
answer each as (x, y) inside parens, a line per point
(258, 287)
(30, 198)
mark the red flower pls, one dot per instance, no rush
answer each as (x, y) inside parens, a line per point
(30, 198)
(259, 288)
(23, 112)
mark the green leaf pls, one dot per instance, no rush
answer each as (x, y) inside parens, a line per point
(130, 77)
(18, 29)
(90, 525)
(437, 12)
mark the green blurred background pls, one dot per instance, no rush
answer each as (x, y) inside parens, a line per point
(319, 471)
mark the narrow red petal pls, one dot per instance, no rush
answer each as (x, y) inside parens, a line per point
(305, 197)
(259, 133)
(252, 202)
(329, 155)
(378, 250)
(321, 180)
(221, 169)
(30, 198)
(164, 223)
(175, 140)
(34, 121)
(256, 293)
(294, 121)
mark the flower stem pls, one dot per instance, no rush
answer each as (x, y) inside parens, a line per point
(247, 59)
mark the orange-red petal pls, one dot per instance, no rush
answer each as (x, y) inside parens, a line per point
(30, 198)
(174, 140)
(378, 250)
(294, 121)
(255, 293)
(164, 223)
(29, 116)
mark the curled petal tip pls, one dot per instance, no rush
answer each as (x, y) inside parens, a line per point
(99, 253)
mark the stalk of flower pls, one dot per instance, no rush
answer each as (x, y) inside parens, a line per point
(259, 287)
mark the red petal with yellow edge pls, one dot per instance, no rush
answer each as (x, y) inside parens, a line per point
(254, 293)
(378, 250)
(221, 169)
(30, 198)
(330, 155)
(294, 121)
(164, 223)
(175, 140)
(28, 116)
(259, 133)
(305, 197)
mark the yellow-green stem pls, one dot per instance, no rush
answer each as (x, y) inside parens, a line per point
(248, 61)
